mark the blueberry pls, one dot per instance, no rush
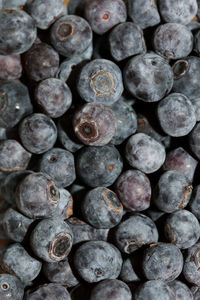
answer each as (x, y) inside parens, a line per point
(144, 153)
(48, 291)
(154, 289)
(71, 35)
(38, 133)
(144, 126)
(97, 260)
(10, 67)
(99, 166)
(100, 81)
(181, 290)
(128, 272)
(126, 121)
(83, 232)
(197, 42)
(66, 135)
(182, 229)
(112, 289)
(180, 160)
(136, 231)
(148, 77)
(192, 264)
(60, 272)
(173, 40)
(15, 225)
(195, 292)
(194, 204)
(145, 13)
(194, 139)
(10, 287)
(41, 62)
(16, 261)
(51, 240)
(17, 4)
(126, 40)
(178, 11)
(185, 73)
(134, 190)
(53, 96)
(103, 15)
(59, 165)
(173, 191)
(64, 209)
(14, 103)
(45, 13)
(37, 196)
(18, 31)
(101, 208)
(94, 124)
(154, 214)
(162, 261)
(176, 115)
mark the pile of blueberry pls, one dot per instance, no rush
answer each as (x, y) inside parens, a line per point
(99, 149)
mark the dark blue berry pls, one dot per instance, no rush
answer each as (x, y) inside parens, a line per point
(194, 140)
(181, 290)
(50, 291)
(11, 287)
(154, 289)
(194, 204)
(10, 67)
(192, 265)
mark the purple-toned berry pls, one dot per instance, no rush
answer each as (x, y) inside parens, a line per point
(95, 124)
(173, 40)
(176, 115)
(144, 153)
(13, 157)
(10, 67)
(41, 62)
(38, 133)
(103, 15)
(37, 196)
(71, 35)
(134, 190)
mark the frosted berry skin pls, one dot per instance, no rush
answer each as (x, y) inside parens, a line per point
(185, 72)
(162, 261)
(126, 40)
(101, 208)
(134, 190)
(180, 160)
(176, 115)
(15, 103)
(126, 121)
(112, 289)
(97, 260)
(41, 62)
(38, 133)
(83, 232)
(46, 13)
(10, 67)
(194, 139)
(181, 12)
(71, 35)
(53, 96)
(191, 265)
(154, 289)
(16, 261)
(197, 42)
(18, 32)
(129, 272)
(100, 81)
(60, 272)
(173, 40)
(48, 291)
(59, 165)
(37, 196)
(13, 157)
(17, 4)
(194, 205)
(99, 166)
(195, 292)
(95, 124)
(173, 191)
(144, 233)
(148, 77)
(103, 15)
(182, 229)
(144, 153)
(15, 225)
(11, 287)
(64, 209)
(51, 240)
(181, 290)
